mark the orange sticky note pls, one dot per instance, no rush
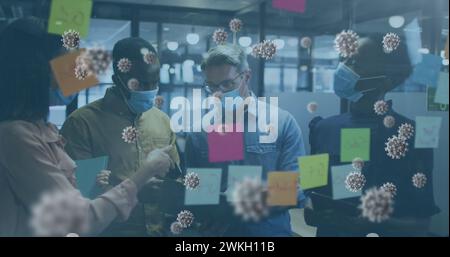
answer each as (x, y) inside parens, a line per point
(63, 68)
(282, 188)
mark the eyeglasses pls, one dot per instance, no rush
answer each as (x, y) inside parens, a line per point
(224, 86)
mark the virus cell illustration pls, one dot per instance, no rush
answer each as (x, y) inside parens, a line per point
(150, 58)
(185, 218)
(220, 36)
(176, 228)
(249, 199)
(96, 59)
(381, 107)
(355, 181)
(257, 50)
(191, 180)
(405, 131)
(59, 213)
(268, 49)
(377, 205)
(390, 187)
(419, 180)
(346, 43)
(312, 107)
(396, 147)
(133, 84)
(159, 101)
(124, 65)
(389, 121)
(235, 25)
(71, 39)
(390, 42)
(129, 135)
(306, 42)
(358, 164)
(81, 72)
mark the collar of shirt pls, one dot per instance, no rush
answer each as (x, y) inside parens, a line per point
(114, 101)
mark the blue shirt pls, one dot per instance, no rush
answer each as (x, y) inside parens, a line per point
(280, 155)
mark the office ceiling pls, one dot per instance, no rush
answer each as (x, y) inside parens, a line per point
(223, 5)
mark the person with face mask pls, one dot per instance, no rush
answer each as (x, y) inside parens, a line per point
(32, 158)
(125, 126)
(227, 75)
(363, 80)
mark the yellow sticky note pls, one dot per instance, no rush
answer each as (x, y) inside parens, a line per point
(282, 188)
(70, 14)
(63, 68)
(313, 170)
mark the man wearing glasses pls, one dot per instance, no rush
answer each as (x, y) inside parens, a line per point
(227, 75)
(124, 126)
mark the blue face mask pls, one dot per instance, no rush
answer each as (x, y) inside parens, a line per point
(345, 80)
(230, 94)
(142, 101)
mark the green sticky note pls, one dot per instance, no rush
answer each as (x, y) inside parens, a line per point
(355, 143)
(70, 14)
(432, 106)
(313, 170)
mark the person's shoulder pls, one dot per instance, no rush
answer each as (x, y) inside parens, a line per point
(332, 122)
(155, 114)
(17, 130)
(86, 111)
(399, 118)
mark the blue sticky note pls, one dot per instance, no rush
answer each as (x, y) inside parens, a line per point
(238, 173)
(86, 175)
(427, 131)
(338, 176)
(427, 71)
(208, 191)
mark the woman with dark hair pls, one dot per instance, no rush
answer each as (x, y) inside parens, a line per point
(364, 79)
(32, 159)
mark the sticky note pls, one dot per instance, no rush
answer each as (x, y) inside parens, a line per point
(338, 176)
(238, 173)
(427, 71)
(431, 105)
(355, 142)
(442, 89)
(86, 175)
(282, 188)
(313, 171)
(70, 14)
(427, 132)
(63, 68)
(290, 5)
(208, 191)
(226, 146)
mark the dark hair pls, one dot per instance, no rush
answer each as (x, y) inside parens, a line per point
(372, 60)
(25, 76)
(131, 48)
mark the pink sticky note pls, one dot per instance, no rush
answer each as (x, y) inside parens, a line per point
(226, 146)
(290, 5)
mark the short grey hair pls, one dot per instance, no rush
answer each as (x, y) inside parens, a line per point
(226, 54)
